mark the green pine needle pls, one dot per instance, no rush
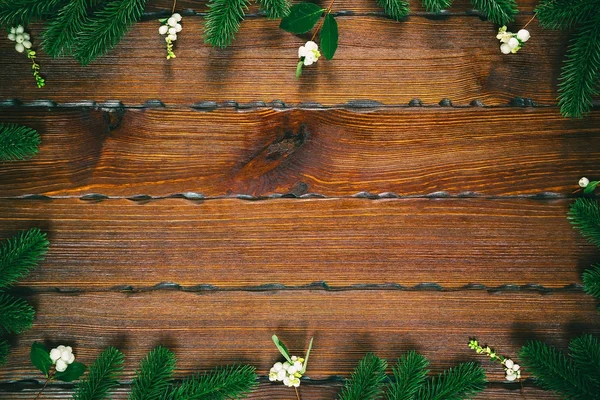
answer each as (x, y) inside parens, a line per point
(106, 28)
(461, 382)
(275, 9)
(223, 21)
(585, 216)
(396, 9)
(20, 254)
(222, 383)
(565, 14)
(585, 352)
(18, 142)
(555, 372)
(366, 382)
(22, 12)
(591, 281)
(154, 377)
(436, 5)
(4, 350)
(580, 76)
(102, 377)
(409, 377)
(63, 31)
(501, 12)
(16, 315)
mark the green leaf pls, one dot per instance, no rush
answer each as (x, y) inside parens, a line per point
(299, 68)
(302, 18)
(329, 37)
(72, 373)
(307, 355)
(282, 349)
(591, 187)
(40, 357)
(163, 20)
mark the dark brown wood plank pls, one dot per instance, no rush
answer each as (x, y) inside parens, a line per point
(344, 242)
(378, 59)
(226, 327)
(268, 391)
(225, 152)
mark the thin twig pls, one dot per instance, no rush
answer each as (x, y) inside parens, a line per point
(43, 387)
(522, 390)
(173, 9)
(526, 25)
(297, 394)
(321, 22)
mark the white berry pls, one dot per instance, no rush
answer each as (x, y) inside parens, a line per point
(178, 28)
(583, 182)
(177, 17)
(172, 21)
(20, 29)
(19, 47)
(523, 35)
(61, 365)
(505, 48)
(172, 31)
(27, 44)
(513, 43)
(163, 30)
(509, 363)
(172, 38)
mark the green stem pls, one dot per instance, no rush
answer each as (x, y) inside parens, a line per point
(321, 22)
(36, 69)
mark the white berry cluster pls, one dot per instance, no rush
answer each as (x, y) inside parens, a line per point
(512, 370)
(62, 356)
(309, 53)
(287, 373)
(22, 38)
(512, 42)
(171, 27)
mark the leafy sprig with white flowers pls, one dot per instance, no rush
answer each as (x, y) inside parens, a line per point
(56, 364)
(291, 371)
(22, 41)
(512, 370)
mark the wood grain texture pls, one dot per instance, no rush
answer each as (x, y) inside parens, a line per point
(269, 391)
(378, 59)
(237, 244)
(408, 152)
(219, 328)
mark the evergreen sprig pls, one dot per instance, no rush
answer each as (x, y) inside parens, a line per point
(409, 376)
(591, 281)
(275, 8)
(20, 254)
(585, 352)
(461, 382)
(106, 28)
(585, 216)
(16, 315)
(22, 12)
(366, 382)
(223, 21)
(102, 377)
(230, 382)
(436, 5)
(561, 374)
(396, 9)
(501, 12)
(63, 30)
(154, 377)
(18, 142)
(4, 349)
(565, 14)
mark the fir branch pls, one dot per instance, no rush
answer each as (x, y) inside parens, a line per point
(579, 80)
(4, 350)
(501, 12)
(18, 142)
(396, 9)
(585, 352)
(63, 30)
(230, 382)
(102, 376)
(591, 281)
(585, 216)
(565, 14)
(22, 12)
(409, 377)
(154, 376)
(366, 382)
(16, 315)
(275, 9)
(461, 382)
(106, 28)
(20, 254)
(223, 21)
(436, 5)
(555, 372)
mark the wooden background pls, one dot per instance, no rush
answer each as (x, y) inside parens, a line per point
(409, 194)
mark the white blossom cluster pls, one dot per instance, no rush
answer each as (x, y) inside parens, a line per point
(512, 370)
(287, 373)
(310, 52)
(22, 38)
(62, 357)
(171, 27)
(512, 42)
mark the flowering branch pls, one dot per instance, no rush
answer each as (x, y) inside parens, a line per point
(22, 41)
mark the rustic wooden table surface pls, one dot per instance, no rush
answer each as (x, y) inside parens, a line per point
(209, 202)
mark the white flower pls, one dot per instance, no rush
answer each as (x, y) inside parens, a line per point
(583, 182)
(503, 35)
(19, 38)
(291, 380)
(172, 21)
(511, 377)
(298, 365)
(19, 29)
(513, 43)
(291, 370)
(163, 29)
(523, 35)
(512, 370)
(177, 17)
(505, 48)
(310, 52)
(172, 37)
(12, 37)
(19, 47)
(508, 363)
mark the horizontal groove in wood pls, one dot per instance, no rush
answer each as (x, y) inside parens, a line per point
(223, 328)
(378, 59)
(234, 244)
(269, 391)
(408, 152)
